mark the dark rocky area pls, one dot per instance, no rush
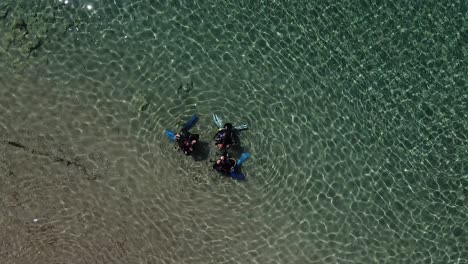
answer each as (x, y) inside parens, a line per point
(25, 26)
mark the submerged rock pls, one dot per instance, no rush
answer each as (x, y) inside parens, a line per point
(20, 24)
(185, 88)
(25, 26)
(33, 45)
(4, 9)
(144, 107)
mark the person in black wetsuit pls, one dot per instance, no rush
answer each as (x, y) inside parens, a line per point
(225, 137)
(225, 164)
(186, 141)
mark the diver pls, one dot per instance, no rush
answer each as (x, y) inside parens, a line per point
(225, 164)
(225, 137)
(186, 141)
(227, 134)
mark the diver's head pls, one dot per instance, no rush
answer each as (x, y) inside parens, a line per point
(228, 126)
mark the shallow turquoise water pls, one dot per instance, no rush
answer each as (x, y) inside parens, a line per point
(358, 130)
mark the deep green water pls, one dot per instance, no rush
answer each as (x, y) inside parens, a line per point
(358, 114)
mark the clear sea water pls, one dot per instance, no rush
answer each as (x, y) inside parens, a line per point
(358, 115)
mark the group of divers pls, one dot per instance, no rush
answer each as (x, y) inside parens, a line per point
(226, 136)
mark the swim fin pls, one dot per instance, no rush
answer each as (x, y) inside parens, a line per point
(218, 121)
(241, 127)
(243, 157)
(190, 123)
(237, 175)
(170, 135)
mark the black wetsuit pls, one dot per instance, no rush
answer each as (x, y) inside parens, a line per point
(185, 142)
(225, 137)
(226, 165)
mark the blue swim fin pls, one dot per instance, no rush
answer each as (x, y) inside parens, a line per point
(243, 157)
(190, 123)
(218, 121)
(237, 175)
(170, 134)
(241, 127)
